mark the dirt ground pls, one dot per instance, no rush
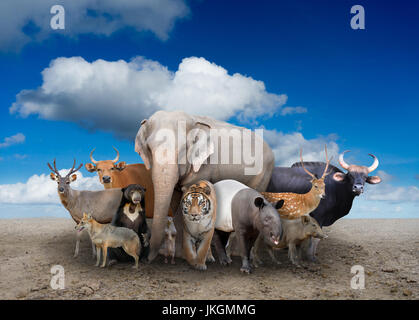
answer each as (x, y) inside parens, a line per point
(387, 249)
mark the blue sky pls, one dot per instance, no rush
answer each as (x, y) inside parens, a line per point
(358, 89)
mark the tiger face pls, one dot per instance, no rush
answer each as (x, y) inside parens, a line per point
(196, 203)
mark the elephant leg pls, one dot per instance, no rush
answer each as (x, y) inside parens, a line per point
(164, 181)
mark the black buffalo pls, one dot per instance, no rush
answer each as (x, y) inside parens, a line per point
(341, 188)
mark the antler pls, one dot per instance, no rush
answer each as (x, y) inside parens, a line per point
(72, 168)
(327, 163)
(302, 163)
(117, 155)
(55, 168)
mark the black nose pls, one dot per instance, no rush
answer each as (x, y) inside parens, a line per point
(358, 188)
(61, 189)
(106, 179)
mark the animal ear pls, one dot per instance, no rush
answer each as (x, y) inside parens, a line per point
(305, 220)
(53, 176)
(199, 145)
(90, 167)
(279, 204)
(259, 203)
(207, 190)
(84, 215)
(121, 166)
(73, 177)
(141, 146)
(373, 179)
(339, 176)
(89, 216)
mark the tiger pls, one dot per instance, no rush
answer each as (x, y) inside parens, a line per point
(199, 209)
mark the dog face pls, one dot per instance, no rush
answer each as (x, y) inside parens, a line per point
(134, 193)
(85, 222)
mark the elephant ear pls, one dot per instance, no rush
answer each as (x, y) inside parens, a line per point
(200, 146)
(141, 144)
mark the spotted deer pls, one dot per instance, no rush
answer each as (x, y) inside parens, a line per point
(295, 204)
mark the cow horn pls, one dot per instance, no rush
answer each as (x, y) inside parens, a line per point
(117, 155)
(374, 165)
(91, 156)
(342, 162)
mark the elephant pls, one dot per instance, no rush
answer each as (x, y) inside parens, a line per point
(181, 149)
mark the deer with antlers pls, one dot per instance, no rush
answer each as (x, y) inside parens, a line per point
(297, 205)
(102, 205)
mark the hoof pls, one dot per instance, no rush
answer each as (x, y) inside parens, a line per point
(173, 262)
(135, 267)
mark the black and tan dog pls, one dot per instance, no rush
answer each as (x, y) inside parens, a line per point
(131, 214)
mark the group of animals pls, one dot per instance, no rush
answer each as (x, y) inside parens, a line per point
(198, 205)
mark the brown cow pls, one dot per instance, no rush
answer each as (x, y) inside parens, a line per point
(120, 175)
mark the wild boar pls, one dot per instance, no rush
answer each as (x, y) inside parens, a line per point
(294, 232)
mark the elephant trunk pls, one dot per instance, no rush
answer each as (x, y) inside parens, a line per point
(165, 178)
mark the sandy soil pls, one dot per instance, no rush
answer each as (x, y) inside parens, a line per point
(387, 249)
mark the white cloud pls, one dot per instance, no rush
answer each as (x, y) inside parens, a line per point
(85, 16)
(293, 110)
(385, 177)
(20, 156)
(40, 189)
(388, 192)
(116, 96)
(15, 139)
(363, 208)
(286, 147)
